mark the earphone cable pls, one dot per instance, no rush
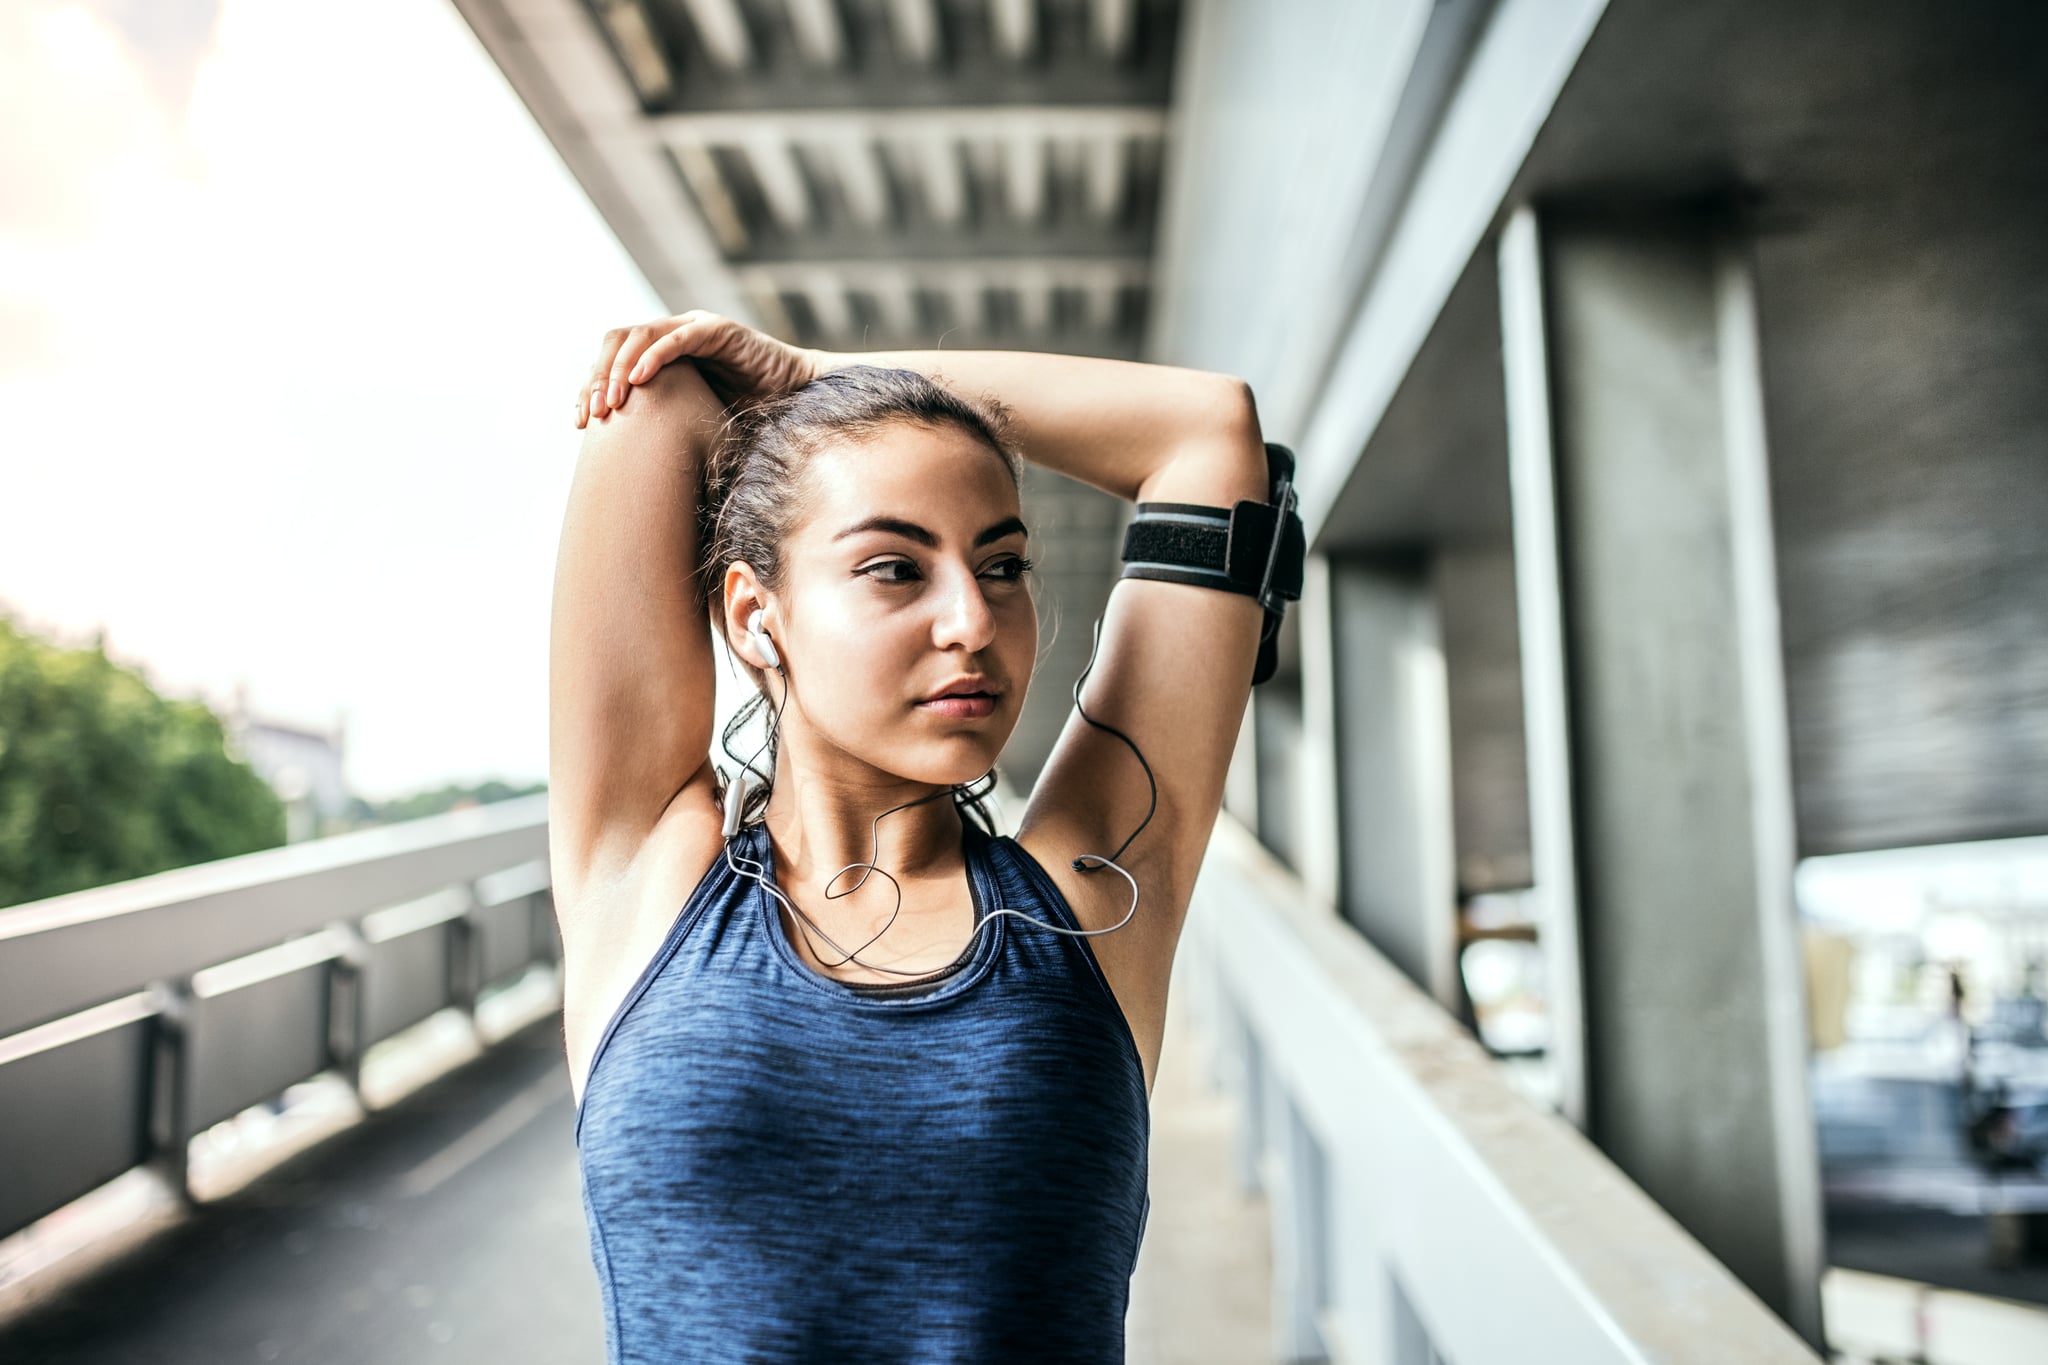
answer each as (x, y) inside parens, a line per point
(759, 871)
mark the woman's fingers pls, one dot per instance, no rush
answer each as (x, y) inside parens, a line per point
(691, 330)
(617, 385)
(592, 403)
(633, 355)
(663, 351)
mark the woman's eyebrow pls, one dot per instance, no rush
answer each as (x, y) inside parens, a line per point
(910, 530)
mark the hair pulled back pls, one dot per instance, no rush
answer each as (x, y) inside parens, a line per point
(755, 492)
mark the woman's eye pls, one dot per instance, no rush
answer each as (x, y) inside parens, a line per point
(1010, 570)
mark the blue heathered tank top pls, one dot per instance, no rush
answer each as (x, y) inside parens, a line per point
(778, 1166)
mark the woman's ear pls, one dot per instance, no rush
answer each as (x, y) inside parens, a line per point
(743, 596)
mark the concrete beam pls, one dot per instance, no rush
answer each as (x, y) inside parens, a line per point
(957, 122)
(781, 178)
(996, 271)
(915, 24)
(714, 200)
(962, 289)
(639, 47)
(1111, 23)
(1015, 23)
(826, 290)
(1099, 296)
(1107, 158)
(857, 166)
(1034, 285)
(820, 35)
(722, 32)
(1024, 173)
(768, 306)
(895, 296)
(941, 176)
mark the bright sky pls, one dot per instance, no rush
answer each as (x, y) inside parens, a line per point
(294, 301)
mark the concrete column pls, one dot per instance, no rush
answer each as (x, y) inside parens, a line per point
(1276, 752)
(1539, 610)
(1391, 726)
(1319, 832)
(1295, 800)
(1679, 772)
(1474, 590)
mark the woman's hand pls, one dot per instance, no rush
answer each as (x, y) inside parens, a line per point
(735, 360)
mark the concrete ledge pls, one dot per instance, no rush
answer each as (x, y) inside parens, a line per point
(1454, 1208)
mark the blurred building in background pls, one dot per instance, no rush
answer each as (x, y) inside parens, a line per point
(305, 767)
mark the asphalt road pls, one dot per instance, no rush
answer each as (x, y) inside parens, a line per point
(447, 1228)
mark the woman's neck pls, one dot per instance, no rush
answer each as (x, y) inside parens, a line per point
(822, 823)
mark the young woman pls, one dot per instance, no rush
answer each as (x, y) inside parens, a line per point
(878, 1091)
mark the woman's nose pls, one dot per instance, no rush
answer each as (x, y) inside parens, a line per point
(964, 618)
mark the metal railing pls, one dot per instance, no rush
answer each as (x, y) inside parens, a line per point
(134, 1016)
(1423, 1210)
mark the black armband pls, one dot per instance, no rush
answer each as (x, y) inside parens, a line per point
(1254, 548)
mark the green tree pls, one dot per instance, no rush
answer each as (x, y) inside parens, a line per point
(102, 779)
(453, 796)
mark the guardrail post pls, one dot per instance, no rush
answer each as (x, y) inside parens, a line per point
(1250, 1068)
(346, 1022)
(547, 946)
(465, 956)
(1294, 1188)
(170, 1089)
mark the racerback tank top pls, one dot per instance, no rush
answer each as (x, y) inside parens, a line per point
(782, 1167)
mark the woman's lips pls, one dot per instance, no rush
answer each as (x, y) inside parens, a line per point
(972, 706)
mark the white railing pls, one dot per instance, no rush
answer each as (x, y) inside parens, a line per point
(134, 1016)
(1424, 1210)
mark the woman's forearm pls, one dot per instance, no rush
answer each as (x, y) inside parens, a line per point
(1143, 432)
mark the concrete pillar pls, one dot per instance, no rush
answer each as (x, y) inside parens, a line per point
(1319, 834)
(1391, 730)
(1678, 769)
(1276, 750)
(1539, 611)
(1295, 801)
(1474, 590)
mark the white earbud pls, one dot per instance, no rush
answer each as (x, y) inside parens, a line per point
(735, 802)
(761, 640)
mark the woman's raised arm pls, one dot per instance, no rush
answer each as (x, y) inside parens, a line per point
(630, 675)
(1147, 433)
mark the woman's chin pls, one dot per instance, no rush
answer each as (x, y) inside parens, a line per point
(956, 761)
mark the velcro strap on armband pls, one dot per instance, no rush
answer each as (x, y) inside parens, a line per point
(1206, 547)
(1254, 548)
(1178, 542)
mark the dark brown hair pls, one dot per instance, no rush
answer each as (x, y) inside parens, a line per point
(755, 492)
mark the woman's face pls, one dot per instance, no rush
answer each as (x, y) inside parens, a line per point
(906, 576)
